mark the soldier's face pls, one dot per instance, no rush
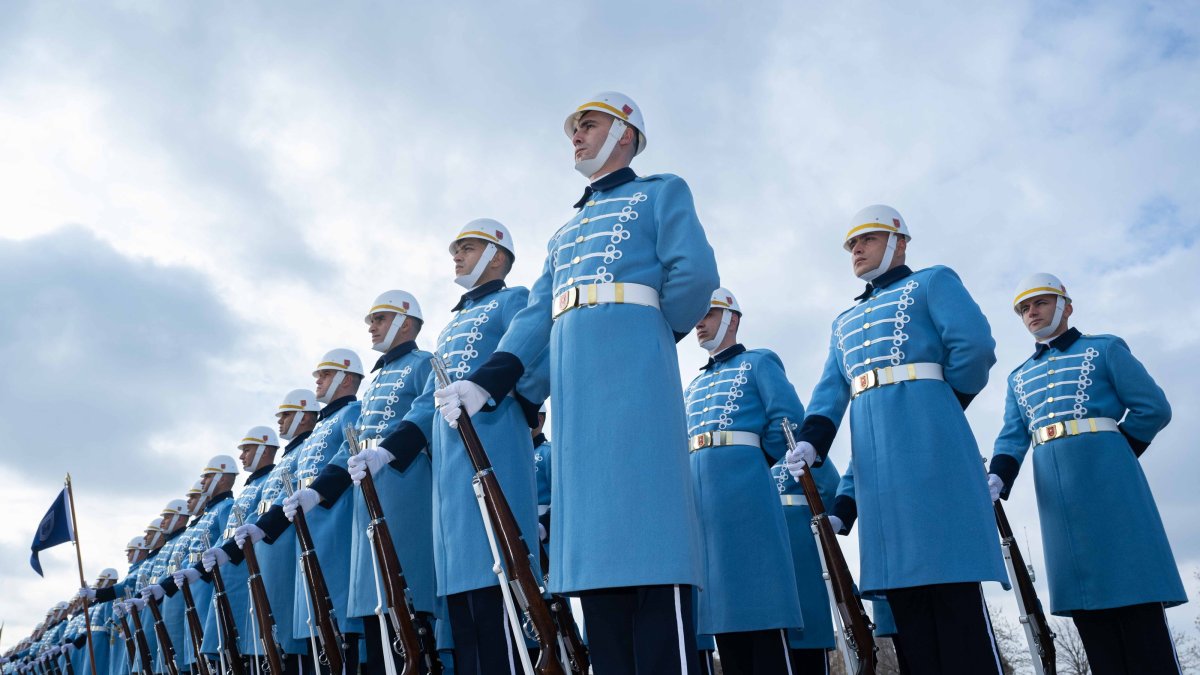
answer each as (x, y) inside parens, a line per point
(709, 325)
(1037, 312)
(866, 251)
(324, 378)
(466, 255)
(285, 421)
(381, 323)
(590, 133)
(247, 455)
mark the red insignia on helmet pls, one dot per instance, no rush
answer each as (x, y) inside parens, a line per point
(626, 109)
(499, 234)
(264, 438)
(405, 306)
(729, 299)
(346, 362)
(896, 222)
(303, 401)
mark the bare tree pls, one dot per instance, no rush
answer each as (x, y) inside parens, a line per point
(1010, 638)
(1187, 649)
(1072, 659)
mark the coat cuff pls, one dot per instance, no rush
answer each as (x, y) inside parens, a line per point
(105, 594)
(1138, 446)
(1006, 468)
(233, 551)
(820, 431)
(846, 509)
(169, 587)
(273, 523)
(405, 443)
(499, 375)
(330, 484)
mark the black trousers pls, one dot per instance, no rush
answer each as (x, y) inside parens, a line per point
(350, 658)
(376, 650)
(809, 661)
(945, 629)
(757, 652)
(641, 630)
(1132, 639)
(483, 641)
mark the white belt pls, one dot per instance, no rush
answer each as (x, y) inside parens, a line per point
(589, 295)
(709, 439)
(1086, 425)
(793, 500)
(878, 377)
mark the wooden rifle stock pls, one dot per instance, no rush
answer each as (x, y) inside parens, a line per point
(130, 649)
(518, 563)
(414, 635)
(164, 638)
(195, 628)
(1037, 629)
(564, 620)
(226, 627)
(262, 610)
(143, 646)
(856, 625)
(322, 604)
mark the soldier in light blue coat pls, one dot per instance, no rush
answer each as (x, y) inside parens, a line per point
(1090, 410)
(405, 491)
(169, 557)
(483, 253)
(625, 278)
(906, 359)
(809, 645)
(105, 636)
(735, 408)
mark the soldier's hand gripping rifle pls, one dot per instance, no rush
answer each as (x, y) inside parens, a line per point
(856, 636)
(195, 627)
(1037, 630)
(267, 633)
(231, 656)
(123, 624)
(143, 646)
(164, 638)
(518, 582)
(332, 653)
(414, 637)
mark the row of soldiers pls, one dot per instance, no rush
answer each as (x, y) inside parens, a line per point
(673, 522)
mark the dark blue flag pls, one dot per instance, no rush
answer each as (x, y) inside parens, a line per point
(54, 529)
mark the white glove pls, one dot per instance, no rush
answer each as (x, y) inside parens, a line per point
(836, 523)
(135, 602)
(68, 648)
(371, 459)
(542, 534)
(119, 609)
(460, 394)
(213, 557)
(995, 486)
(252, 532)
(305, 499)
(85, 592)
(153, 590)
(188, 575)
(798, 459)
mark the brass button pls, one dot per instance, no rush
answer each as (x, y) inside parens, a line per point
(584, 221)
(1051, 414)
(579, 239)
(705, 408)
(591, 203)
(1050, 386)
(570, 280)
(868, 310)
(575, 260)
(1051, 358)
(1050, 400)
(1050, 372)
(445, 356)
(866, 324)
(866, 343)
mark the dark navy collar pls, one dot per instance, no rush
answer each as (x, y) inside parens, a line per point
(218, 498)
(259, 473)
(723, 356)
(615, 179)
(539, 440)
(394, 353)
(478, 292)
(298, 440)
(334, 406)
(169, 537)
(884, 280)
(1062, 343)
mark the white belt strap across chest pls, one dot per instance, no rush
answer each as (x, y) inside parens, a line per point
(878, 377)
(589, 295)
(1086, 425)
(709, 439)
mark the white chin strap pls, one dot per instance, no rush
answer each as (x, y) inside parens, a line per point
(711, 345)
(1048, 329)
(884, 264)
(293, 427)
(386, 343)
(262, 448)
(589, 167)
(333, 387)
(469, 279)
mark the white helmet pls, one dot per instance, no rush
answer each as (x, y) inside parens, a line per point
(724, 300)
(197, 488)
(878, 218)
(262, 437)
(342, 361)
(223, 464)
(491, 231)
(398, 302)
(175, 507)
(299, 401)
(1043, 284)
(620, 107)
(136, 544)
(106, 574)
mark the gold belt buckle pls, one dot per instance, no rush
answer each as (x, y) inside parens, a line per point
(263, 507)
(565, 300)
(702, 440)
(1051, 432)
(867, 380)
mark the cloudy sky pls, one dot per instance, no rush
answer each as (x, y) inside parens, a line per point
(198, 199)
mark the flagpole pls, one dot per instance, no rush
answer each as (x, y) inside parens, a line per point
(87, 619)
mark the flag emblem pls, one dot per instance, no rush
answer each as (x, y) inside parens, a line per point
(626, 109)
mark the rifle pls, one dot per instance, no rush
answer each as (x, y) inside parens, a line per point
(1037, 630)
(414, 638)
(332, 643)
(130, 650)
(517, 579)
(195, 628)
(262, 604)
(164, 638)
(855, 635)
(226, 627)
(569, 638)
(139, 634)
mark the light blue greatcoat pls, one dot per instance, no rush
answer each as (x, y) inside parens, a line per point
(277, 559)
(240, 510)
(748, 583)
(74, 630)
(922, 496)
(407, 498)
(329, 524)
(202, 534)
(462, 555)
(105, 638)
(1104, 540)
(151, 570)
(806, 555)
(118, 658)
(172, 612)
(624, 509)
